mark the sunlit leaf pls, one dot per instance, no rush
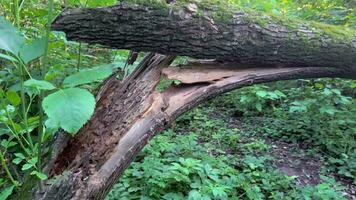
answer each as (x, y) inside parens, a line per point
(39, 84)
(33, 51)
(13, 97)
(19, 157)
(88, 76)
(261, 93)
(39, 175)
(5, 193)
(26, 166)
(10, 39)
(70, 108)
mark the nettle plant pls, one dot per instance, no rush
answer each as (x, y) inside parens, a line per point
(32, 109)
(259, 98)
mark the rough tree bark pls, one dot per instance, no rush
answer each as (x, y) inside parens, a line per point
(253, 39)
(130, 113)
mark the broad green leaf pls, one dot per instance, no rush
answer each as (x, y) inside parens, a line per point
(88, 76)
(39, 84)
(10, 39)
(13, 97)
(9, 58)
(5, 193)
(32, 51)
(70, 108)
(51, 124)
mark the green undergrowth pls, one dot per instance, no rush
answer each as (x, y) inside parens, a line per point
(203, 157)
(318, 114)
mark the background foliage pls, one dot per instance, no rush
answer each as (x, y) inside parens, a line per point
(193, 160)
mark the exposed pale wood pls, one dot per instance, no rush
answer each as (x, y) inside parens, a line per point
(130, 113)
(133, 112)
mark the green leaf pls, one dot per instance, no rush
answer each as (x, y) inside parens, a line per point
(261, 93)
(39, 84)
(70, 108)
(17, 161)
(20, 155)
(97, 3)
(39, 175)
(13, 97)
(328, 109)
(9, 58)
(51, 124)
(88, 76)
(259, 107)
(10, 39)
(91, 3)
(7, 143)
(194, 195)
(33, 161)
(26, 166)
(5, 193)
(32, 51)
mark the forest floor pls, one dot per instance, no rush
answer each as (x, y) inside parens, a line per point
(294, 159)
(217, 152)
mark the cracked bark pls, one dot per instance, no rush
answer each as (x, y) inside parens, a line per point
(131, 112)
(252, 39)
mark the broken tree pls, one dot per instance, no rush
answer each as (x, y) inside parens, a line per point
(243, 48)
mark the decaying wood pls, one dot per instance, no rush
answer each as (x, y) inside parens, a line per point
(131, 112)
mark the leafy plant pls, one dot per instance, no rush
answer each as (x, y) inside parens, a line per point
(29, 94)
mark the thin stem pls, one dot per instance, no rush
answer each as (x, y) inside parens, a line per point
(20, 142)
(24, 107)
(6, 168)
(16, 134)
(43, 73)
(24, 67)
(21, 5)
(17, 13)
(79, 56)
(29, 105)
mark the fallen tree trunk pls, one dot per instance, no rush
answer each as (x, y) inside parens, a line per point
(130, 113)
(247, 37)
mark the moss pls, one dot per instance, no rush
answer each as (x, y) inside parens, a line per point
(151, 3)
(223, 11)
(338, 33)
(217, 9)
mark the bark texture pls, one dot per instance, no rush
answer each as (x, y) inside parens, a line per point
(250, 38)
(129, 113)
